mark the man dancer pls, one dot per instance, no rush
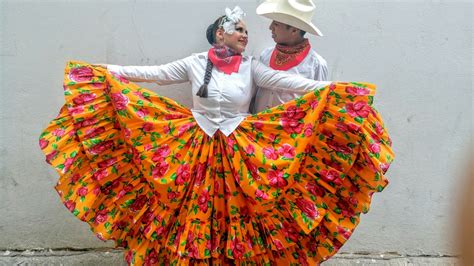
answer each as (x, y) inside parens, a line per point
(292, 52)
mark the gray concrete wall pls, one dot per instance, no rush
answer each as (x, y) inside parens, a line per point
(419, 53)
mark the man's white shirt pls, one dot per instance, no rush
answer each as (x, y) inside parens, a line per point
(313, 66)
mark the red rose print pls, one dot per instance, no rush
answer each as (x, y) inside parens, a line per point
(344, 232)
(101, 216)
(166, 129)
(183, 174)
(330, 176)
(80, 74)
(358, 109)
(290, 232)
(227, 191)
(129, 257)
(151, 258)
(278, 244)
(87, 122)
(75, 178)
(258, 125)
(67, 164)
(270, 153)
(275, 177)
(302, 259)
(252, 168)
(160, 230)
(308, 130)
(230, 146)
(43, 143)
(339, 147)
(238, 248)
(200, 172)
(272, 138)
(138, 204)
(70, 205)
(287, 151)
(250, 149)
(148, 127)
(100, 174)
(378, 128)
(58, 132)
(312, 246)
(174, 116)
(384, 167)
(120, 101)
(51, 156)
(93, 132)
(193, 251)
(329, 134)
(260, 194)
(290, 120)
(82, 191)
(101, 147)
(369, 163)
(140, 95)
(314, 104)
(185, 128)
(216, 187)
(76, 110)
(161, 153)
(108, 189)
(352, 128)
(160, 169)
(346, 209)
(148, 216)
(142, 112)
(357, 90)
(307, 207)
(203, 199)
(315, 189)
(173, 195)
(333, 164)
(374, 148)
(107, 163)
(83, 99)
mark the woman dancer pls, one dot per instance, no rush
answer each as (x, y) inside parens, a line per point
(215, 185)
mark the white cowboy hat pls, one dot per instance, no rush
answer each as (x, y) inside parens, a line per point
(296, 13)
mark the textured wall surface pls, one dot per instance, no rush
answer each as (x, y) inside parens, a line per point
(419, 53)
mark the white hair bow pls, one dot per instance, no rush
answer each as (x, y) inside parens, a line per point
(232, 17)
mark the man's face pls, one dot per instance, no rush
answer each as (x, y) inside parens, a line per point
(282, 33)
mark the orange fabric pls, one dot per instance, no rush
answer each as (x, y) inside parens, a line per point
(288, 186)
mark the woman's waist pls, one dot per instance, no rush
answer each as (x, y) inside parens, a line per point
(219, 115)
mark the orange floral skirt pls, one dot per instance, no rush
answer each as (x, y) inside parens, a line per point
(287, 187)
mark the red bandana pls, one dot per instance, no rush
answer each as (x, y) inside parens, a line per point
(286, 57)
(224, 61)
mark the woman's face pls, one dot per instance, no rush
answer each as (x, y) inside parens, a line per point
(236, 41)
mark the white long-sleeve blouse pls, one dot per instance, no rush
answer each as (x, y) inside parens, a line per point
(229, 96)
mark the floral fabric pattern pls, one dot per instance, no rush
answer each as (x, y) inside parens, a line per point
(287, 187)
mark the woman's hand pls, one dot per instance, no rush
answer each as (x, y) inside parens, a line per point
(100, 65)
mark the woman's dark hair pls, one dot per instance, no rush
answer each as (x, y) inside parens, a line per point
(211, 38)
(211, 30)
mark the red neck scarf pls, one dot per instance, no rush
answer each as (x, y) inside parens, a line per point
(286, 57)
(224, 59)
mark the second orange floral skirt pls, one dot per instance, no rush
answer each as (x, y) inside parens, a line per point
(287, 187)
